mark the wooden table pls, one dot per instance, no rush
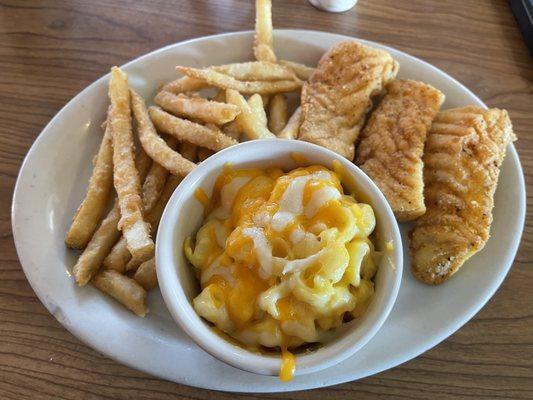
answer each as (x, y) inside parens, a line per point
(50, 50)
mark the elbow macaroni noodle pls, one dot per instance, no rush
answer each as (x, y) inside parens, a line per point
(282, 257)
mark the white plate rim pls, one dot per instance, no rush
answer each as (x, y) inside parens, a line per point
(341, 377)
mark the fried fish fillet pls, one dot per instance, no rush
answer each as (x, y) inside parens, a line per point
(339, 94)
(464, 151)
(392, 144)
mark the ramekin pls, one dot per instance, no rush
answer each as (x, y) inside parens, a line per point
(184, 215)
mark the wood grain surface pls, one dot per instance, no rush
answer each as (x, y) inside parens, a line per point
(50, 50)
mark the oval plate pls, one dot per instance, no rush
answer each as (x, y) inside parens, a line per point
(54, 176)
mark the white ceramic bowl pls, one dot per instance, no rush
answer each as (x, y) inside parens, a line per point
(184, 215)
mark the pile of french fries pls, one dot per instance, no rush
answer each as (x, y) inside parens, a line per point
(183, 128)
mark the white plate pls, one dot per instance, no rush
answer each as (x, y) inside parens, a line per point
(53, 179)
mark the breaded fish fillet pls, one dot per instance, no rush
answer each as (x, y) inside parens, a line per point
(462, 159)
(392, 144)
(339, 94)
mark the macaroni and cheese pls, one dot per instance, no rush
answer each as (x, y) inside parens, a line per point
(282, 257)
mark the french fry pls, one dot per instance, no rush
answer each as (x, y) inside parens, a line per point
(123, 289)
(154, 183)
(191, 132)
(302, 71)
(106, 235)
(155, 180)
(93, 206)
(184, 84)
(146, 275)
(98, 247)
(151, 191)
(232, 129)
(196, 108)
(125, 175)
(256, 71)
(143, 163)
(277, 113)
(247, 119)
(224, 81)
(154, 145)
(293, 125)
(204, 154)
(118, 257)
(256, 104)
(263, 43)
(154, 216)
(189, 151)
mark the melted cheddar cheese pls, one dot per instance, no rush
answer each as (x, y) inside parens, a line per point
(282, 257)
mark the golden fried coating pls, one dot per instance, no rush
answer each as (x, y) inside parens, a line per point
(93, 206)
(392, 144)
(339, 93)
(125, 176)
(263, 43)
(123, 289)
(153, 144)
(463, 154)
(146, 275)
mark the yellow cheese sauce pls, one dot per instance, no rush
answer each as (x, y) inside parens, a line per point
(282, 257)
(203, 198)
(288, 366)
